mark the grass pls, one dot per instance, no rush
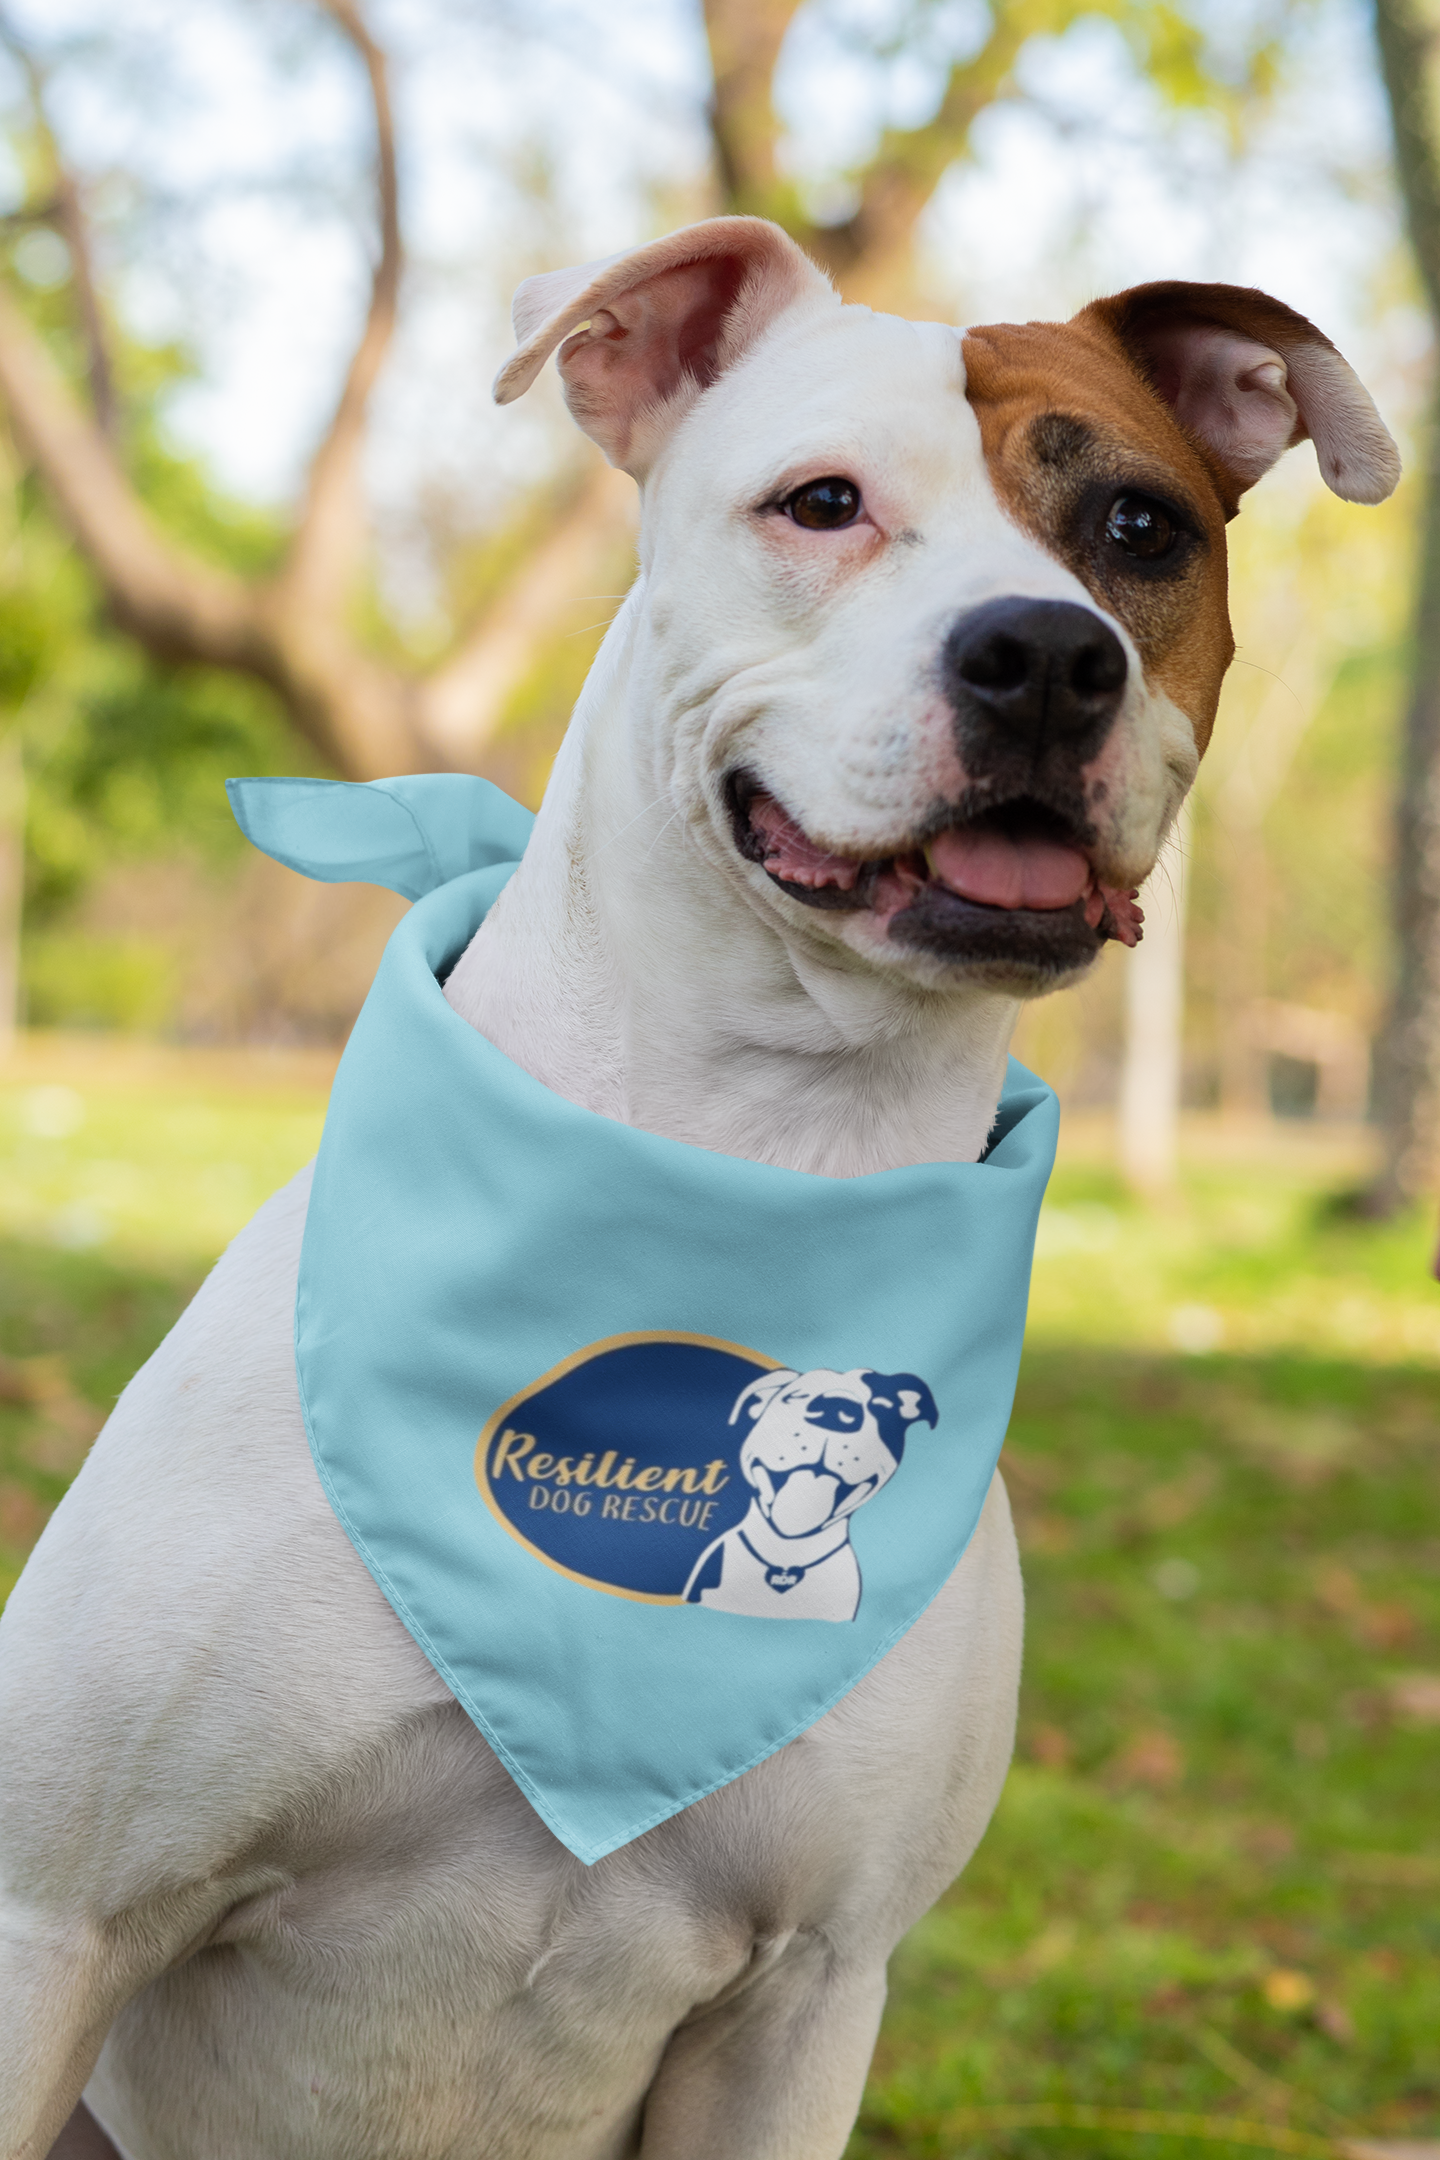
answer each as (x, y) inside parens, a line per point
(124, 1171)
(1212, 1888)
(1210, 1900)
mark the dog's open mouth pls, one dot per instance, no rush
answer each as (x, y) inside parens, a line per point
(1012, 885)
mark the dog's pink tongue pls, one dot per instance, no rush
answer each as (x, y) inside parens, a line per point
(1001, 872)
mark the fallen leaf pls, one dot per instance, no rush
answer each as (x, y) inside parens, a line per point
(1288, 1990)
(1050, 1746)
(1166, 1506)
(1338, 1589)
(1391, 2148)
(1387, 1626)
(1416, 1695)
(1050, 1948)
(1335, 2021)
(1270, 1841)
(1166, 2000)
(1044, 1533)
(22, 1517)
(1151, 1758)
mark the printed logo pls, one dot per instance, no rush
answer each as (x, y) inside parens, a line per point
(676, 1469)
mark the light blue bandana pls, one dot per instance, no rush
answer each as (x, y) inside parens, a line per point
(654, 1451)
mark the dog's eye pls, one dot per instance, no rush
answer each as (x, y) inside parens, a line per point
(1142, 527)
(823, 505)
(836, 1413)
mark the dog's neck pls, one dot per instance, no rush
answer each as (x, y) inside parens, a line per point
(626, 971)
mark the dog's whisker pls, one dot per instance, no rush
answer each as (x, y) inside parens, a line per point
(628, 826)
(677, 813)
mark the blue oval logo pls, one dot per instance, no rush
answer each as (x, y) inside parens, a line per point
(678, 1469)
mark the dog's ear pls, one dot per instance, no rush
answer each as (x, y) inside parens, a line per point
(645, 331)
(757, 1396)
(899, 1400)
(1249, 377)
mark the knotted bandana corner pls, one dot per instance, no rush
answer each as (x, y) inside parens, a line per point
(654, 1451)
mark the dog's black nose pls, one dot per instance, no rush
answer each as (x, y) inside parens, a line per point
(1040, 671)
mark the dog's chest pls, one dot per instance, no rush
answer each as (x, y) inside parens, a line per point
(432, 1942)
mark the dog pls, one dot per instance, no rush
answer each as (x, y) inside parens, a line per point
(820, 1445)
(923, 650)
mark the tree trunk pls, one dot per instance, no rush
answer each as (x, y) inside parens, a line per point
(1154, 1025)
(1407, 1052)
(1244, 1066)
(1243, 789)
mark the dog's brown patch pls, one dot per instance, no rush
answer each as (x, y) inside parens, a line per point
(1069, 422)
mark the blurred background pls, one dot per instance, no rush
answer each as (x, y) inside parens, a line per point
(258, 515)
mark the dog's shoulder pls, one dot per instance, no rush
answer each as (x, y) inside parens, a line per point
(194, 1610)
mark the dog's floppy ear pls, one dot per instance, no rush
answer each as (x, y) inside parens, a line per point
(899, 1400)
(757, 1396)
(1249, 377)
(645, 329)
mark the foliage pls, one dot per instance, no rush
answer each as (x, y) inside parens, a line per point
(970, 59)
(125, 756)
(133, 765)
(26, 636)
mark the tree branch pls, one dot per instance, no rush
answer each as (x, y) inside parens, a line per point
(329, 537)
(463, 702)
(359, 714)
(66, 213)
(909, 164)
(177, 607)
(1407, 51)
(70, 218)
(1407, 1048)
(745, 40)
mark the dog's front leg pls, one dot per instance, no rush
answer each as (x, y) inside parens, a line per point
(62, 1984)
(65, 1975)
(774, 2073)
(56, 2012)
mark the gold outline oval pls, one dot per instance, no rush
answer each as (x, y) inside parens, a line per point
(558, 1372)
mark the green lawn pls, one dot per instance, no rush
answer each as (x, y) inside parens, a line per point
(1213, 1885)
(123, 1173)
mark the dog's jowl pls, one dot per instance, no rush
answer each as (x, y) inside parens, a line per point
(509, 1706)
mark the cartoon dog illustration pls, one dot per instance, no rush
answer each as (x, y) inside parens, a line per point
(820, 1445)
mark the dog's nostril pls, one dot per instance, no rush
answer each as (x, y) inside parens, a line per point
(1099, 668)
(996, 663)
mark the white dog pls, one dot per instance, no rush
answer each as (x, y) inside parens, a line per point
(821, 1444)
(925, 644)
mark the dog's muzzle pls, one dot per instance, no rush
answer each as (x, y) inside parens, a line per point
(1004, 882)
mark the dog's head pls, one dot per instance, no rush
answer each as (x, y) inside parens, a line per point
(932, 624)
(822, 1443)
